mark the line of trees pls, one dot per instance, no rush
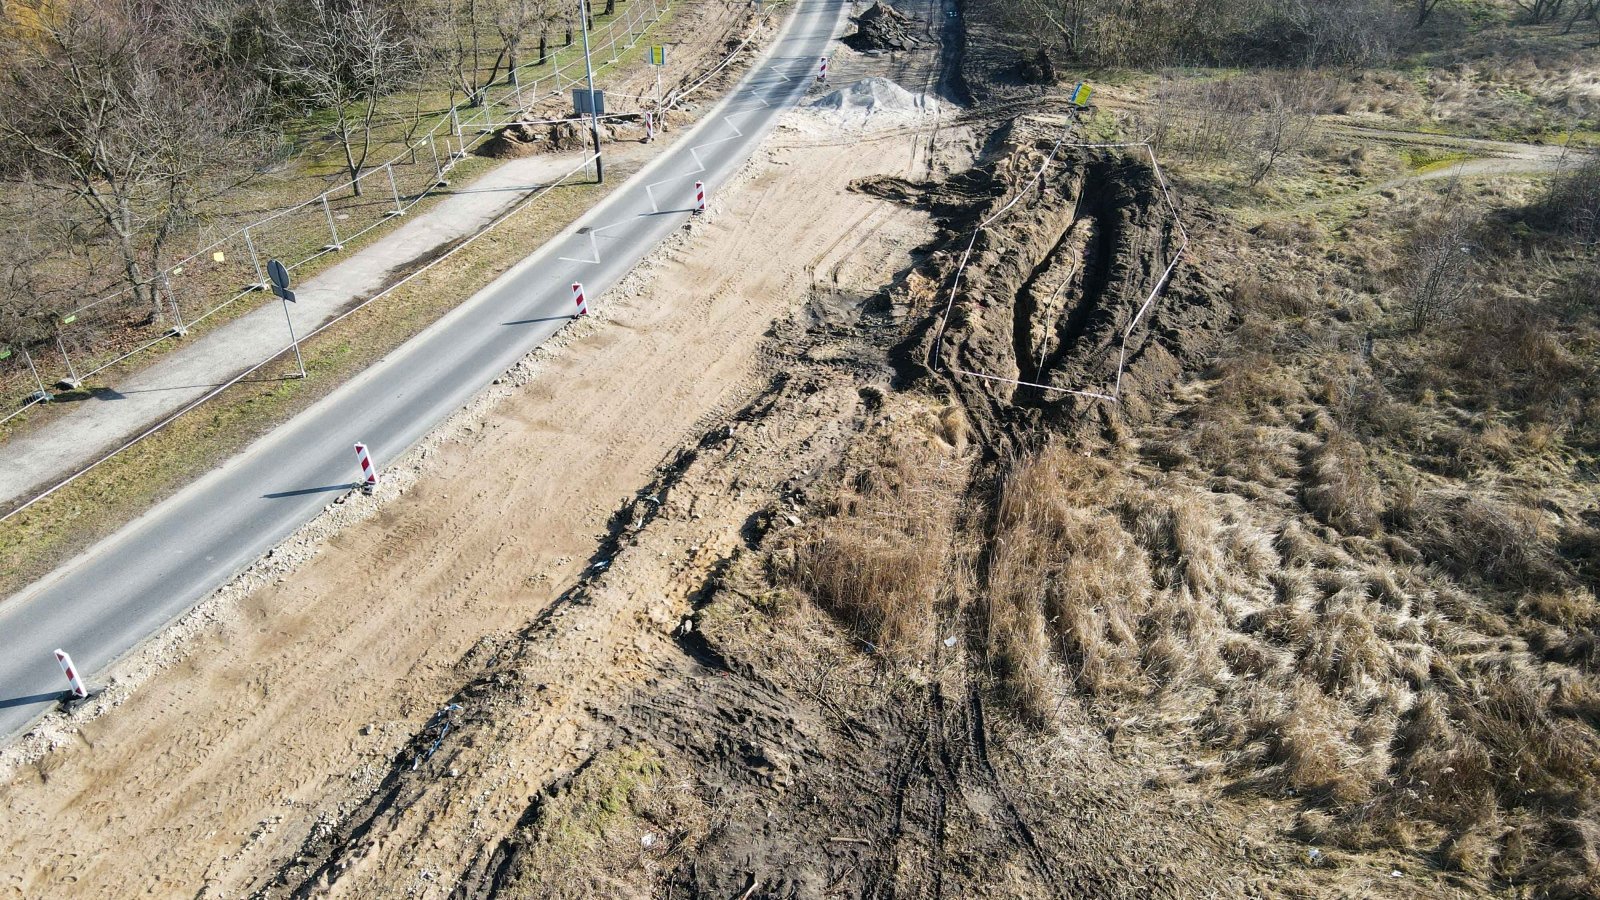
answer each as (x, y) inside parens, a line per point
(123, 121)
(1145, 33)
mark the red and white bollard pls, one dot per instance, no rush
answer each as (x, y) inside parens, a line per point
(699, 197)
(78, 689)
(649, 127)
(369, 472)
(577, 297)
(822, 70)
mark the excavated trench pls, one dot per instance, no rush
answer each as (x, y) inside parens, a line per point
(1052, 285)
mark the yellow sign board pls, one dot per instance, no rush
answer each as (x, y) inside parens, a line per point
(1082, 93)
(219, 256)
(658, 55)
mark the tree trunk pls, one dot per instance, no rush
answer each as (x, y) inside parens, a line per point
(122, 225)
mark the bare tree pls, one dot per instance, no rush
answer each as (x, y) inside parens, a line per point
(1425, 9)
(36, 284)
(1441, 271)
(1539, 12)
(464, 33)
(1588, 10)
(1284, 124)
(344, 57)
(100, 109)
(515, 20)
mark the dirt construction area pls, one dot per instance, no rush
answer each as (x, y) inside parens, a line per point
(815, 563)
(296, 689)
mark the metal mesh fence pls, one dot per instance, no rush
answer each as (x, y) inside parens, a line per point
(19, 377)
(229, 268)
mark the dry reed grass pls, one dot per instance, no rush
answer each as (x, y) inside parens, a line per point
(880, 557)
(1396, 706)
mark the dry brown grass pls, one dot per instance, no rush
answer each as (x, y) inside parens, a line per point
(880, 557)
(1478, 536)
(1064, 585)
(1338, 486)
(1398, 708)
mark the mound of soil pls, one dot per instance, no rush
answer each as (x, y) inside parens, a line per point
(882, 28)
(517, 141)
(1052, 286)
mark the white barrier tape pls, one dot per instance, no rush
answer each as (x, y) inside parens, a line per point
(1122, 353)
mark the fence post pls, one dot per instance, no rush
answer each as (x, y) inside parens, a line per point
(455, 122)
(74, 381)
(394, 189)
(438, 170)
(178, 330)
(516, 88)
(255, 259)
(332, 229)
(43, 394)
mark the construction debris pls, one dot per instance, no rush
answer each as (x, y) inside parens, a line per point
(883, 28)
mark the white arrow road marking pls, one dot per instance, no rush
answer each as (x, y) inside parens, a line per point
(594, 245)
(700, 165)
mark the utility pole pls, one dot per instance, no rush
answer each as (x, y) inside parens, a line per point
(594, 113)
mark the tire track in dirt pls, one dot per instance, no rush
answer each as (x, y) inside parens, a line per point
(293, 700)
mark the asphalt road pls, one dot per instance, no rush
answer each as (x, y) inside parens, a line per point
(128, 587)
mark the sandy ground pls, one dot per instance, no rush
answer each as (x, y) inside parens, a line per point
(291, 697)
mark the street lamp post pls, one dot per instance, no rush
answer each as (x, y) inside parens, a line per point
(594, 113)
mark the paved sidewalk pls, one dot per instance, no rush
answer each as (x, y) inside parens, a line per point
(38, 458)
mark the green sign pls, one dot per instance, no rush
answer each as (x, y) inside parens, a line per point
(658, 55)
(69, 319)
(6, 353)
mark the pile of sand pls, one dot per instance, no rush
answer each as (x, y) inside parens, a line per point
(874, 98)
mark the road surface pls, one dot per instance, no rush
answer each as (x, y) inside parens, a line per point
(47, 454)
(128, 587)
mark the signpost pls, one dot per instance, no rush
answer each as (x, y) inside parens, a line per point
(279, 275)
(594, 114)
(657, 57)
(588, 102)
(1081, 94)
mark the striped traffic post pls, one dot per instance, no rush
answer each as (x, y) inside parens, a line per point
(649, 127)
(699, 197)
(71, 671)
(822, 70)
(369, 472)
(577, 297)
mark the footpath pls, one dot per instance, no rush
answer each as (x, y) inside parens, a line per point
(115, 414)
